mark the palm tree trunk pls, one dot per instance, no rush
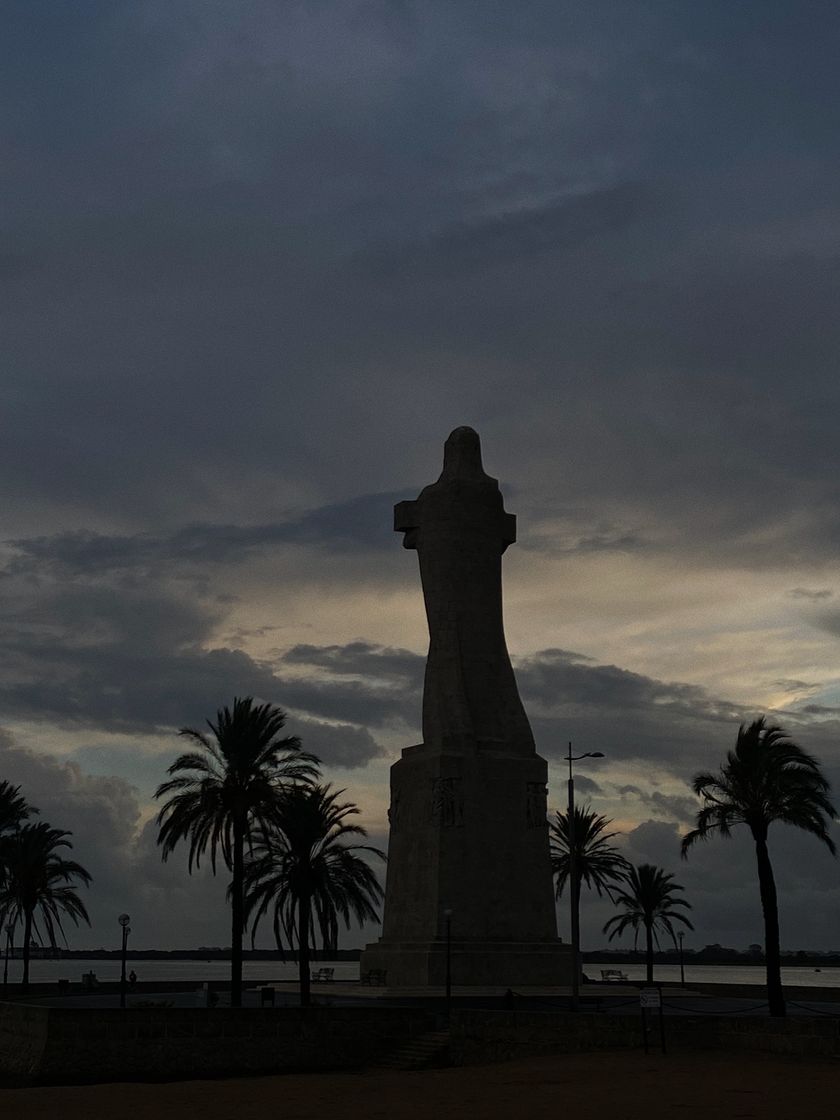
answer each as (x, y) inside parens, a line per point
(576, 924)
(649, 950)
(304, 921)
(237, 914)
(27, 937)
(770, 909)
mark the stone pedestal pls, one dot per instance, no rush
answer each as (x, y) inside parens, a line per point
(485, 964)
(469, 834)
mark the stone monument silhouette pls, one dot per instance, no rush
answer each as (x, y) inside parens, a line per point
(468, 857)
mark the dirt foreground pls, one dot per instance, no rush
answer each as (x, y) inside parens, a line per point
(585, 1086)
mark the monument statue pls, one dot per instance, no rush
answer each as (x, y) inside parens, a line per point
(460, 530)
(468, 850)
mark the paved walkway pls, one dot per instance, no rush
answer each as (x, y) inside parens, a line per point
(622, 1084)
(615, 999)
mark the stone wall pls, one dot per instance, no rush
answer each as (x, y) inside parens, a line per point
(496, 1036)
(23, 1037)
(63, 1045)
(41, 1045)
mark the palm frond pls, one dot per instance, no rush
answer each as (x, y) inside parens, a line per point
(648, 902)
(306, 854)
(599, 864)
(765, 779)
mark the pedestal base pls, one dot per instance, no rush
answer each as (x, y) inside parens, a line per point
(418, 964)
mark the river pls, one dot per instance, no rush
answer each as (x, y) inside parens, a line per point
(46, 971)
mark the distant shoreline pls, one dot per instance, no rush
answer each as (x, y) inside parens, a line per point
(607, 958)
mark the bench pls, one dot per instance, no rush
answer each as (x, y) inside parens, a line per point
(373, 976)
(323, 975)
(613, 975)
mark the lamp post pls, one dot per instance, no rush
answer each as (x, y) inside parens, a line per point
(123, 919)
(10, 929)
(573, 876)
(680, 937)
(447, 914)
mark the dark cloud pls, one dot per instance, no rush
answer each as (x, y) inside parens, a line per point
(551, 228)
(363, 659)
(587, 786)
(168, 906)
(721, 883)
(795, 685)
(361, 524)
(250, 290)
(578, 207)
(610, 538)
(674, 807)
(828, 621)
(625, 714)
(84, 655)
(341, 745)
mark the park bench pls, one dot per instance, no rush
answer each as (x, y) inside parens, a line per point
(323, 975)
(373, 976)
(613, 975)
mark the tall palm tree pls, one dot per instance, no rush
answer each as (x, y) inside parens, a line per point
(598, 864)
(308, 875)
(39, 886)
(223, 795)
(14, 808)
(649, 903)
(766, 778)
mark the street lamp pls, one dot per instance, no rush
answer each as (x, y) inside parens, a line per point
(680, 937)
(448, 917)
(573, 876)
(10, 929)
(123, 919)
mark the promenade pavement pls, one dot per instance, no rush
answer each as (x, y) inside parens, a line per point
(618, 999)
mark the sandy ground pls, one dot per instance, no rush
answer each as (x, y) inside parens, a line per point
(625, 1085)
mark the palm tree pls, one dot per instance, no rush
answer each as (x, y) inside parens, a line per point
(224, 793)
(13, 807)
(39, 885)
(14, 810)
(598, 864)
(307, 874)
(766, 778)
(649, 904)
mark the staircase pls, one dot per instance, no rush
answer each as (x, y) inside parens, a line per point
(419, 1052)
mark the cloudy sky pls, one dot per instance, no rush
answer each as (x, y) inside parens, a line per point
(258, 259)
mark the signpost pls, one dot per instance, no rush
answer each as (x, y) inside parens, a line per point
(650, 999)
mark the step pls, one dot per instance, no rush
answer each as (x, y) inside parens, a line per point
(417, 1053)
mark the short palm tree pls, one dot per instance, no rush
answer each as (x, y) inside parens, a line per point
(766, 778)
(223, 795)
(308, 874)
(649, 904)
(40, 886)
(598, 864)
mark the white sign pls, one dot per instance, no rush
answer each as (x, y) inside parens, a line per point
(650, 997)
